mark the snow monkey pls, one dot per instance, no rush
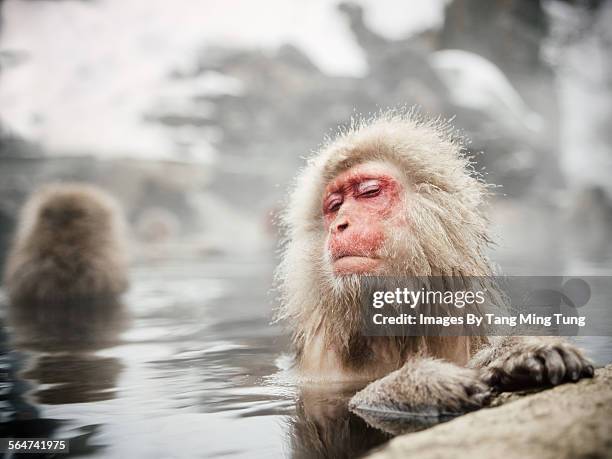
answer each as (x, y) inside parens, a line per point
(68, 247)
(396, 195)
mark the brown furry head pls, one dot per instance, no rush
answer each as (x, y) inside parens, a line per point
(447, 234)
(69, 246)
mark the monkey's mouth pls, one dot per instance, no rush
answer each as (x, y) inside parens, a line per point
(355, 264)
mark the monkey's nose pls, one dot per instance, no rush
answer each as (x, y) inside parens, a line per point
(342, 226)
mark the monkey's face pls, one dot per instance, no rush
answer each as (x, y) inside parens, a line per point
(360, 208)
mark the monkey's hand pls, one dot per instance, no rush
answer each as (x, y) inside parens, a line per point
(516, 363)
(425, 387)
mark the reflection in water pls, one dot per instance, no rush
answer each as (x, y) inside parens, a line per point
(324, 427)
(64, 337)
(79, 378)
(397, 425)
(67, 334)
(68, 326)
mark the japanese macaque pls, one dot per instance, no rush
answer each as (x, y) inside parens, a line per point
(397, 196)
(69, 246)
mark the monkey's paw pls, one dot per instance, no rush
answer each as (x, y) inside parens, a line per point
(424, 387)
(537, 362)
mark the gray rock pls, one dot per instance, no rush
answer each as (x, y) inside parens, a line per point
(568, 421)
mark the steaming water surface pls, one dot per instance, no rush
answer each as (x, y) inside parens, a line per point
(188, 376)
(191, 367)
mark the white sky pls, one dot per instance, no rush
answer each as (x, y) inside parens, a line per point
(92, 68)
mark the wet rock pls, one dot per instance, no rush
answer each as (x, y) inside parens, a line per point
(571, 420)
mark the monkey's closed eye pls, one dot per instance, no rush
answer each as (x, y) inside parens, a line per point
(368, 189)
(335, 206)
(333, 203)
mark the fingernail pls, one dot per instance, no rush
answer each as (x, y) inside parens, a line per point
(590, 371)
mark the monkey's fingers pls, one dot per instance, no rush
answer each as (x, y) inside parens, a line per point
(561, 361)
(537, 364)
(576, 364)
(514, 371)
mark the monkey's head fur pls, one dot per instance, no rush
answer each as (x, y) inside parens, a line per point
(445, 234)
(69, 245)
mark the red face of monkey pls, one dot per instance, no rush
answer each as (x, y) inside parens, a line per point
(359, 206)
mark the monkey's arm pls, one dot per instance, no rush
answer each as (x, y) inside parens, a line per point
(518, 362)
(424, 386)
